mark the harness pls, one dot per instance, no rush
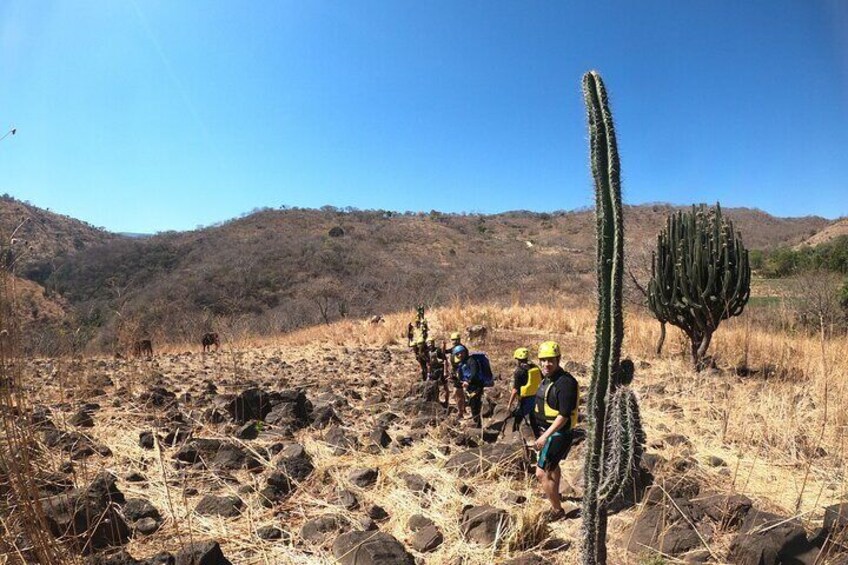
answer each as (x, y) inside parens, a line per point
(547, 413)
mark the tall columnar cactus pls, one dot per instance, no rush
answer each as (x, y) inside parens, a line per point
(614, 427)
(699, 275)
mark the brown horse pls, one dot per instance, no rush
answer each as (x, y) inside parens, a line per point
(143, 347)
(210, 339)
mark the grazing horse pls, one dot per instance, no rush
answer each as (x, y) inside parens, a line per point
(143, 347)
(210, 339)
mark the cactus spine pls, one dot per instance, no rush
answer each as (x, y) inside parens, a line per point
(614, 436)
(699, 275)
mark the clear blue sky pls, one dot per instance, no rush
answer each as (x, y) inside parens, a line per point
(144, 116)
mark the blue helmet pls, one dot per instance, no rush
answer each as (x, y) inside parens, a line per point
(459, 349)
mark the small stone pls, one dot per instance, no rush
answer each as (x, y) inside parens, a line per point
(715, 461)
(419, 522)
(376, 512)
(427, 539)
(363, 477)
(146, 526)
(226, 506)
(269, 533)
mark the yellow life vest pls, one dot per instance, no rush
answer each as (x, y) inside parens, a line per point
(534, 378)
(548, 413)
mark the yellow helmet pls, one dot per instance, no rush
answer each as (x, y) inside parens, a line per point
(455, 336)
(419, 340)
(521, 354)
(548, 349)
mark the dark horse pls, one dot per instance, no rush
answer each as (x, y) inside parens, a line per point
(143, 347)
(210, 339)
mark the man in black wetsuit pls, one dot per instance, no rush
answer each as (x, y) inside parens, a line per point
(555, 415)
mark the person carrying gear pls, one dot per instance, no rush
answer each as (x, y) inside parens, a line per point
(459, 396)
(436, 363)
(468, 370)
(555, 415)
(525, 383)
(420, 350)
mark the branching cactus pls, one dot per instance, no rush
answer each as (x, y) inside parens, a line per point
(699, 275)
(614, 431)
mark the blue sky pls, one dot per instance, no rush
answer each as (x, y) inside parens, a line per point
(144, 116)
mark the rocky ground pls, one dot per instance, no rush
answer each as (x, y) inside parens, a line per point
(326, 453)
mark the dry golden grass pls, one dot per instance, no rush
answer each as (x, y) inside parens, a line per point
(780, 431)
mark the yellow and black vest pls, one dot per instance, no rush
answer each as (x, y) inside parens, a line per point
(546, 413)
(534, 377)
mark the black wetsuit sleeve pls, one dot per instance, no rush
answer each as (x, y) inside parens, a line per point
(519, 378)
(567, 396)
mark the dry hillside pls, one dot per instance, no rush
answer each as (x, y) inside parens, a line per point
(277, 270)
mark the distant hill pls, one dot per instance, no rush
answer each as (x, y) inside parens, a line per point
(829, 233)
(275, 270)
(43, 237)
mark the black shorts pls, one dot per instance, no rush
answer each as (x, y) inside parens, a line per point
(555, 450)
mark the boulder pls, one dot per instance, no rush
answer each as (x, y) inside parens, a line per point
(227, 506)
(768, 539)
(88, 517)
(370, 548)
(662, 528)
(251, 404)
(727, 509)
(836, 519)
(483, 524)
(506, 456)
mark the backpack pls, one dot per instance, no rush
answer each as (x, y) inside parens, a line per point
(486, 375)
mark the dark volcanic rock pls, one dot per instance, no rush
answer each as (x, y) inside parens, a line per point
(661, 527)
(416, 483)
(427, 539)
(483, 524)
(380, 437)
(370, 548)
(146, 526)
(250, 430)
(727, 509)
(836, 519)
(324, 416)
(508, 456)
(768, 539)
(226, 506)
(251, 404)
(135, 509)
(363, 477)
(340, 441)
(269, 533)
(202, 553)
(146, 440)
(419, 522)
(82, 419)
(158, 397)
(198, 448)
(318, 530)
(88, 517)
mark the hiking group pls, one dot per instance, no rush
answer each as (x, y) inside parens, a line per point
(545, 396)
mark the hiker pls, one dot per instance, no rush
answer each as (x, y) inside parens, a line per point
(555, 415)
(525, 383)
(420, 351)
(459, 395)
(471, 381)
(436, 362)
(417, 329)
